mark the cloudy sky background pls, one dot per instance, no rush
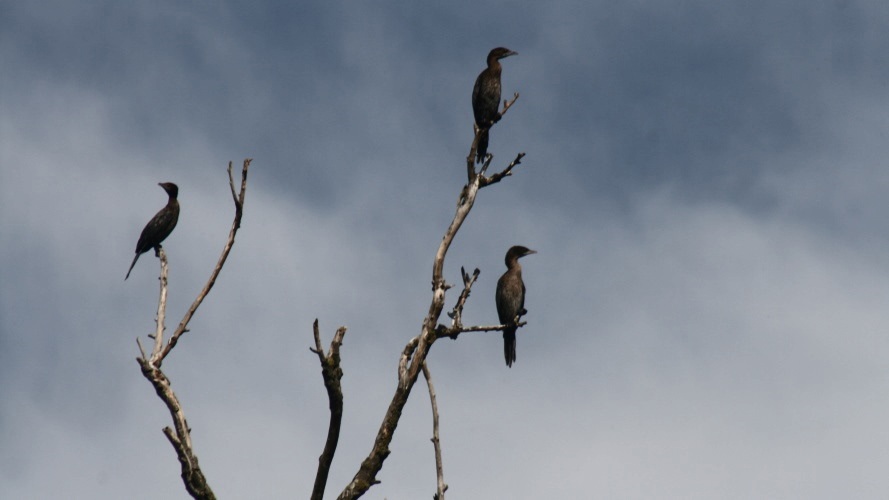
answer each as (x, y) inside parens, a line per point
(705, 183)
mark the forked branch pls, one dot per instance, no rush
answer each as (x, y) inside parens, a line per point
(332, 373)
(180, 435)
(413, 356)
(457, 313)
(470, 161)
(238, 199)
(441, 487)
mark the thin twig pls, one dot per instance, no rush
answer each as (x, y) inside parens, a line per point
(487, 181)
(456, 314)
(436, 442)
(141, 350)
(454, 332)
(508, 104)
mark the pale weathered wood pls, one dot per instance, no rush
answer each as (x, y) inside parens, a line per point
(180, 435)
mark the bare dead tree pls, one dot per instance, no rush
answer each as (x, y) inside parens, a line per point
(413, 357)
(411, 362)
(195, 482)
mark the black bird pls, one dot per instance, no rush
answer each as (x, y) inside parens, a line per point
(511, 299)
(486, 98)
(160, 226)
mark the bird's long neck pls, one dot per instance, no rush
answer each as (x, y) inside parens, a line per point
(494, 66)
(513, 265)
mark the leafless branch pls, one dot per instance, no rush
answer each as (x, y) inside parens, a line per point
(405, 358)
(412, 357)
(508, 104)
(236, 224)
(195, 482)
(332, 373)
(415, 352)
(454, 332)
(436, 443)
(470, 160)
(180, 438)
(487, 181)
(457, 313)
(160, 319)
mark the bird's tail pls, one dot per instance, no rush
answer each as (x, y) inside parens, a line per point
(132, 265)
(509, 345)
(482, 149)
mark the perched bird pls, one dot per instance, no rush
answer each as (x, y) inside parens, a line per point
(511, 299)
(486, 98)
(160, 226)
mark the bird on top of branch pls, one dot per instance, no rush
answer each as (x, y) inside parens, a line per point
(511, 299)
(160, 226)
(486, 98)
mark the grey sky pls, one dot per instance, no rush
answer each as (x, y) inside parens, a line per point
(705, 184)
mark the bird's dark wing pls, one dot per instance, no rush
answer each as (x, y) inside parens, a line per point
(486, 99)
(476, 90)
(158, 228)
(510, 297)
(522, 311)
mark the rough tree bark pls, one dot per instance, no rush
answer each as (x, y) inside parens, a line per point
(332, 374)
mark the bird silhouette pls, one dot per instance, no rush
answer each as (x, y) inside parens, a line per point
(511, 299)
(160, 226)
(486, 98)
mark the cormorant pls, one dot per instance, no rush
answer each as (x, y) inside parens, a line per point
(160, 226)
(486, 98)
(511, 299)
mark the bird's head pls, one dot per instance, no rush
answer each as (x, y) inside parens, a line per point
(170, 188)
(517, 252)
(500, 53)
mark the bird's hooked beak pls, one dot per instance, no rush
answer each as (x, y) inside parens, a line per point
(529, 252)
(510, 53)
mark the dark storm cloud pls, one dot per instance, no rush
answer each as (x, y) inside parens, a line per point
(698, 94)
(704, 183)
